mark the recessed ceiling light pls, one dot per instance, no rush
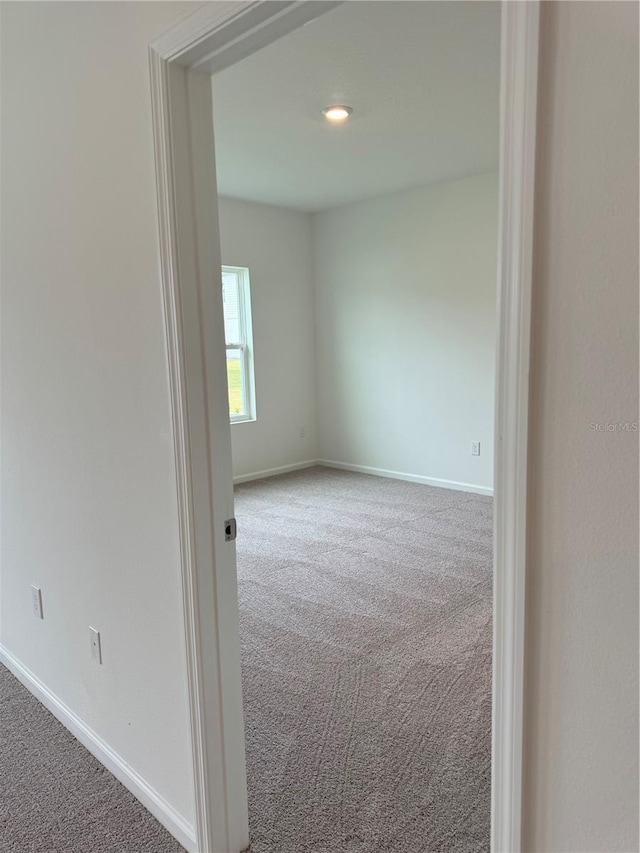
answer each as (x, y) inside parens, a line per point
(337, 113)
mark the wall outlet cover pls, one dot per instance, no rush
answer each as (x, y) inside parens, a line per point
(96, 648)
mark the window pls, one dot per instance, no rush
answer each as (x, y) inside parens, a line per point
(236, 302)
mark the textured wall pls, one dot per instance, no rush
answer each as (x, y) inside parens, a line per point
(581, 733)
(276, 245)
(406, 324)
(88, 482)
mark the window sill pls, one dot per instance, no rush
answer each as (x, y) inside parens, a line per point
(247, 420)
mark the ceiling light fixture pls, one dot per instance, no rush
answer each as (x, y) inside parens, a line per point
(337, 113)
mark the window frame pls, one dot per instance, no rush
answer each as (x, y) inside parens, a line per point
(245, 345)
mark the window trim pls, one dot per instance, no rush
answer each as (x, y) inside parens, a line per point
(245, 345)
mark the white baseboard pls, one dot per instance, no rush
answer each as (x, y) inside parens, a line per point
(273, 472)
(364, 469)
(411, 478)
(181, 830)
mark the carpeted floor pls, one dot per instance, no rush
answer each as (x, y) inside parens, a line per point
(365, 609)
(55, 797)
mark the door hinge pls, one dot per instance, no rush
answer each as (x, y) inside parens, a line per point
(230, 530)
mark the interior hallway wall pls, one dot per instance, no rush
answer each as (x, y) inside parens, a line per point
(405, 290)
(87, 471)
(581, 732)
(89, 510)
(276, 245)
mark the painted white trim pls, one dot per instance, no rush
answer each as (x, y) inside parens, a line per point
(410, 478)
(518, 115)
(190, 263)
(225, 31)
(244, 342)
(172, 821)
(214, 36)
(365, 469)
(217, 35)
(273, 472)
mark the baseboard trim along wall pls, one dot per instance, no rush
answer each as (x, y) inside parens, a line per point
(173, 822)
(273, 472)
(411, 478)
(364, 469)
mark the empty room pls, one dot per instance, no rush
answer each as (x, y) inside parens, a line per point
(324, 622)
(358, 217)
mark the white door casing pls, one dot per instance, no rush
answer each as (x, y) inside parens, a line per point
(181, 64)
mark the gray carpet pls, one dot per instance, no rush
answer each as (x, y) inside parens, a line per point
(365, 609)
(55, 797)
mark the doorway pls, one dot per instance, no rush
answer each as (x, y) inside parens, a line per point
(364, 468)
(185, 208)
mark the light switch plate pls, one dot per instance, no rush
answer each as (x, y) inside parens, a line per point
(36, 601)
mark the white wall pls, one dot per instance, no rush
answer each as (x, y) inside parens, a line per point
(405, 314)
(276, 245)
(87, 474)
(581, 731)
(88, 484)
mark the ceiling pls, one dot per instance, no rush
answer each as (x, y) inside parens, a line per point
(423, 81)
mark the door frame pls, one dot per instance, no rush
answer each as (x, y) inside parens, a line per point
(181, 63)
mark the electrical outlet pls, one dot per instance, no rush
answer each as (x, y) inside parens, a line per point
(96, 648)
(303, 432)
(36, 601)
(475, 448)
